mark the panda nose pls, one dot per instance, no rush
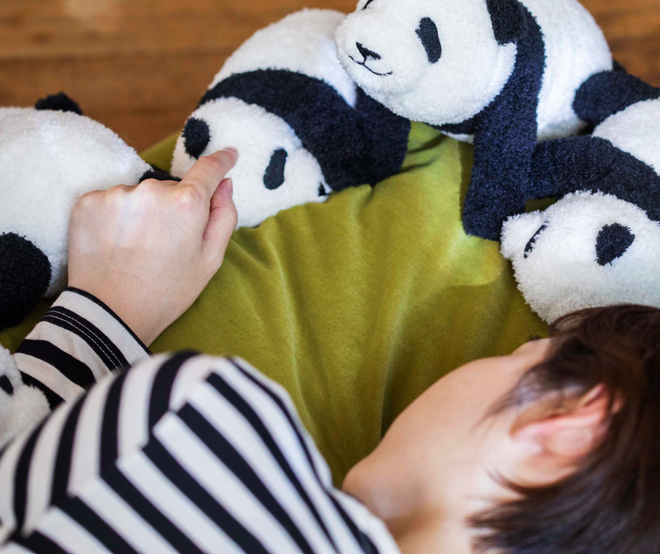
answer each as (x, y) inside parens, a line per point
(24, 278)
(366, 53)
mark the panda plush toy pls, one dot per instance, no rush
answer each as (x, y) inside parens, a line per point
(50, 156)
(301, 125)
(598, 245)
(21, 406)
(503, 73)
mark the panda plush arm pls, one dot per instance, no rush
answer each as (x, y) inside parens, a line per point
(505, 132)
(593, 164)
(610, 92)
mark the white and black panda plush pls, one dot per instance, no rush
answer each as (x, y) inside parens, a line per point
(501, 72)
(21, 406)
(302, 127)
(599, 245)
(50, 156)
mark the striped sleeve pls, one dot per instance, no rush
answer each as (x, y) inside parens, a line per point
(77, 342)
(179, 454)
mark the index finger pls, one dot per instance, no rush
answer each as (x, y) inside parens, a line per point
(209, 171)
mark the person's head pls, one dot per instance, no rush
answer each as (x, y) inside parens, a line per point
(553, 449)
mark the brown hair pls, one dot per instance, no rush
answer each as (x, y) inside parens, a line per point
(611, 504)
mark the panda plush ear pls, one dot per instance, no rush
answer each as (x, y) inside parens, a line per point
(59, 103)
(509, 20)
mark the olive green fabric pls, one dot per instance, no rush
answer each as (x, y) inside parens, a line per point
(359, 304)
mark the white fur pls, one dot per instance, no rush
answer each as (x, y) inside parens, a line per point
(635, 130)
(561, 274)
(24, 408)
(301, 42)
(473, 68)
(575, 50)
(49, 159)
(256, 134)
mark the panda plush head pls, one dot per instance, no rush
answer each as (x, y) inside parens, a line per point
(599, 245)
(437, 61)
(274, 171)
(587, 250)
(302, 127)
(50, 156)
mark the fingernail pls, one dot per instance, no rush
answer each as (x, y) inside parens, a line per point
(233, 150)
(230, 186)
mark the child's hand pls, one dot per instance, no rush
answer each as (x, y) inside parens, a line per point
(149, 251)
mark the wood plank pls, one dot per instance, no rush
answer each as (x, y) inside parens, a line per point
(140, 66)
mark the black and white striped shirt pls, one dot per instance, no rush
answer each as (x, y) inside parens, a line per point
(180, 453)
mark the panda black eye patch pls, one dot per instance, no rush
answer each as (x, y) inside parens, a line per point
(613, 242)
(274, 175)
(428, 34)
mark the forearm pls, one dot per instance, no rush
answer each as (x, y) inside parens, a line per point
(79, 341)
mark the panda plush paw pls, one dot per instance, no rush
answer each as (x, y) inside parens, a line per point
(598, 245)
(302, 127)
(50, 156)
(21, 406)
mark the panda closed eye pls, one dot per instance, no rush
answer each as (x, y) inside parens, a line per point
(532, 242)
(367, 4)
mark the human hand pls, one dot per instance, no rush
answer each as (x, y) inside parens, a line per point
(149, 251)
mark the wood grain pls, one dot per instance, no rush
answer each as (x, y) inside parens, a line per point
(140, 66)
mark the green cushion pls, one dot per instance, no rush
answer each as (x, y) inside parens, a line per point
(359, 304)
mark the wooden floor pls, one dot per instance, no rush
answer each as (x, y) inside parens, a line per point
(140, 66)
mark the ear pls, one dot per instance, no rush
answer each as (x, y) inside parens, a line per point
(58, 102)
(560, 438)
(509, 20)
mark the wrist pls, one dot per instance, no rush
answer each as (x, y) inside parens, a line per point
(132, 314)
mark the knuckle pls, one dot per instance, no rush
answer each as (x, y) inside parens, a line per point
(188, 197)
(149, 186)
(86, 201)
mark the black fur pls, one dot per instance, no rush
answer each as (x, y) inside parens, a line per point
(58, 102)
(593, 164)
(505, 135)
(610, 92)
(159, 174)
(428, 34)
(613, 242)
(24, 278)
(354, 146)
(274, 175)
(196, 137)
(509, 20)
(366, 53)
(532, 242)
(5, 385)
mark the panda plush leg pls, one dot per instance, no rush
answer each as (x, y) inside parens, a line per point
(25, 273)
(610, 92)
